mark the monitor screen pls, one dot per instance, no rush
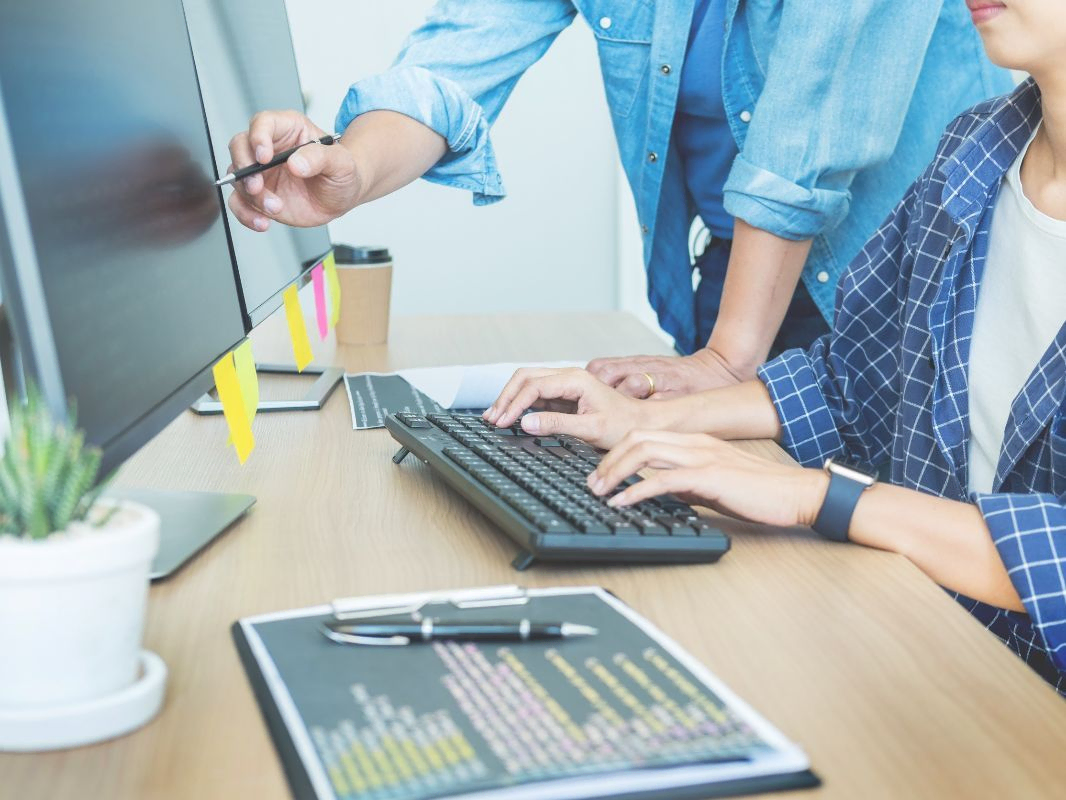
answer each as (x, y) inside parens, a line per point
(246, 64)
(105, 132)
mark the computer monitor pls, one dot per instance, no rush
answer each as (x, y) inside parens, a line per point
(117, 275)
(245, 62)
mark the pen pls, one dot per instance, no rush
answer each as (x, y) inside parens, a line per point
(401, 633)
(280, 158)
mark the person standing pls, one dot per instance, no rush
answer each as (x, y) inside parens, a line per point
(789, 127)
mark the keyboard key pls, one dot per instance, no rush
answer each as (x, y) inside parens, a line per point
(649, 526)
(596, 528)
(547, 441)
(413, 420)
(704, 527)
(561, 452)
(549, 523)
(677, 527)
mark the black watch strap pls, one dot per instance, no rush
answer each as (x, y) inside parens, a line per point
(834, 518)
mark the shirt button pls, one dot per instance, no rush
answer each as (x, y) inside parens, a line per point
(643, 228)
(605, 23)
(665, 69)
(823, 277)
(745, 116)
(653, 157)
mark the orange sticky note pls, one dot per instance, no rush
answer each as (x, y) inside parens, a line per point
(229, 394)
(247, 379)
(294, 315)
(318, 284)
(334, 283)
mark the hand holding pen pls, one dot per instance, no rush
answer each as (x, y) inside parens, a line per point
(254, 169)
(310, 182)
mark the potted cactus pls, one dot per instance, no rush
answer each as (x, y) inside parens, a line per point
(73, 572)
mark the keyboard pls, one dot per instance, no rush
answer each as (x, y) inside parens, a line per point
(534, 489)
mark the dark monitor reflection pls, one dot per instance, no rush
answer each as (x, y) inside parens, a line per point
(246, 64)
(111, 147)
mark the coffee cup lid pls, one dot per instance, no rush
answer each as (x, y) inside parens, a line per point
(361, 254)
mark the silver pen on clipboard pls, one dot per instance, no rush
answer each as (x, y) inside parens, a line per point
(360, 620)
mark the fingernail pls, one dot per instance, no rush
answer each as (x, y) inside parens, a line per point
(260, 224)
(299, 163)
(262, 155)
(272, 204)
(616, 501)
(597, 486)
(487, 415)
(531, 423)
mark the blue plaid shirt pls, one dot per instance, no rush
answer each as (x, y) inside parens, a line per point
(890, 383)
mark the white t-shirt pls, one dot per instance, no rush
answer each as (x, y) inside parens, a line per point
(1020, 309)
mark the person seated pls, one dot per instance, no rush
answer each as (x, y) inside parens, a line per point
(946, 362)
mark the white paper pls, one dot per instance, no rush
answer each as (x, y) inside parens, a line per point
(470, 386)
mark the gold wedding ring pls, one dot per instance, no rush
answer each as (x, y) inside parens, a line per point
(651, 383)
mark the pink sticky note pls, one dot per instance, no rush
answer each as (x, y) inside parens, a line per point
(318, 278)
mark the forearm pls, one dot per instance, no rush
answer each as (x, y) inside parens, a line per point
(760, 282)
(744, 411)
(945, 539)
(390, 150)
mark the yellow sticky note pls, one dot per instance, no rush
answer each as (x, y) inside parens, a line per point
(229, 394)
(247, 379)
(334, 288)
(294, 315)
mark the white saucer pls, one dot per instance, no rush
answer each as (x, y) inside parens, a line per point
(91, 721)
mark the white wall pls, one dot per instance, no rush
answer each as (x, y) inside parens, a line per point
(553, 243)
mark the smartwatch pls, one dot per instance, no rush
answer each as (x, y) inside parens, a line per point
(847, 482)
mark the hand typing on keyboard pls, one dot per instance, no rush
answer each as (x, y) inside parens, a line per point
(597, 413)
(537, 489)
(698, 467)
(707, 471)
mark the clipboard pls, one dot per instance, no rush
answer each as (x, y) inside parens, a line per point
(626, 714)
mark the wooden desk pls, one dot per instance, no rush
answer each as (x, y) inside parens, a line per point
(892, 689)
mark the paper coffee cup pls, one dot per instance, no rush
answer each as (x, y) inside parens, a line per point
(365, 276)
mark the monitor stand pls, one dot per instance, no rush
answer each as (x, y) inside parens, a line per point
(321, 389)
(189, 521)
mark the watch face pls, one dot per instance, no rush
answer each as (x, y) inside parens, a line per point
(853, 470)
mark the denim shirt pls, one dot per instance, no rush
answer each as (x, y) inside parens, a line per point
(892, 379)
(702, 134)
(835, 106)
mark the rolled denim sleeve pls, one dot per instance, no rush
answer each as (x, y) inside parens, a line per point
(840, 396)
(839, 82)
(1029, 531)
(454, 75)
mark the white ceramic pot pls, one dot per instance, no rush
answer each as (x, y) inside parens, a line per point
(72, 610)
